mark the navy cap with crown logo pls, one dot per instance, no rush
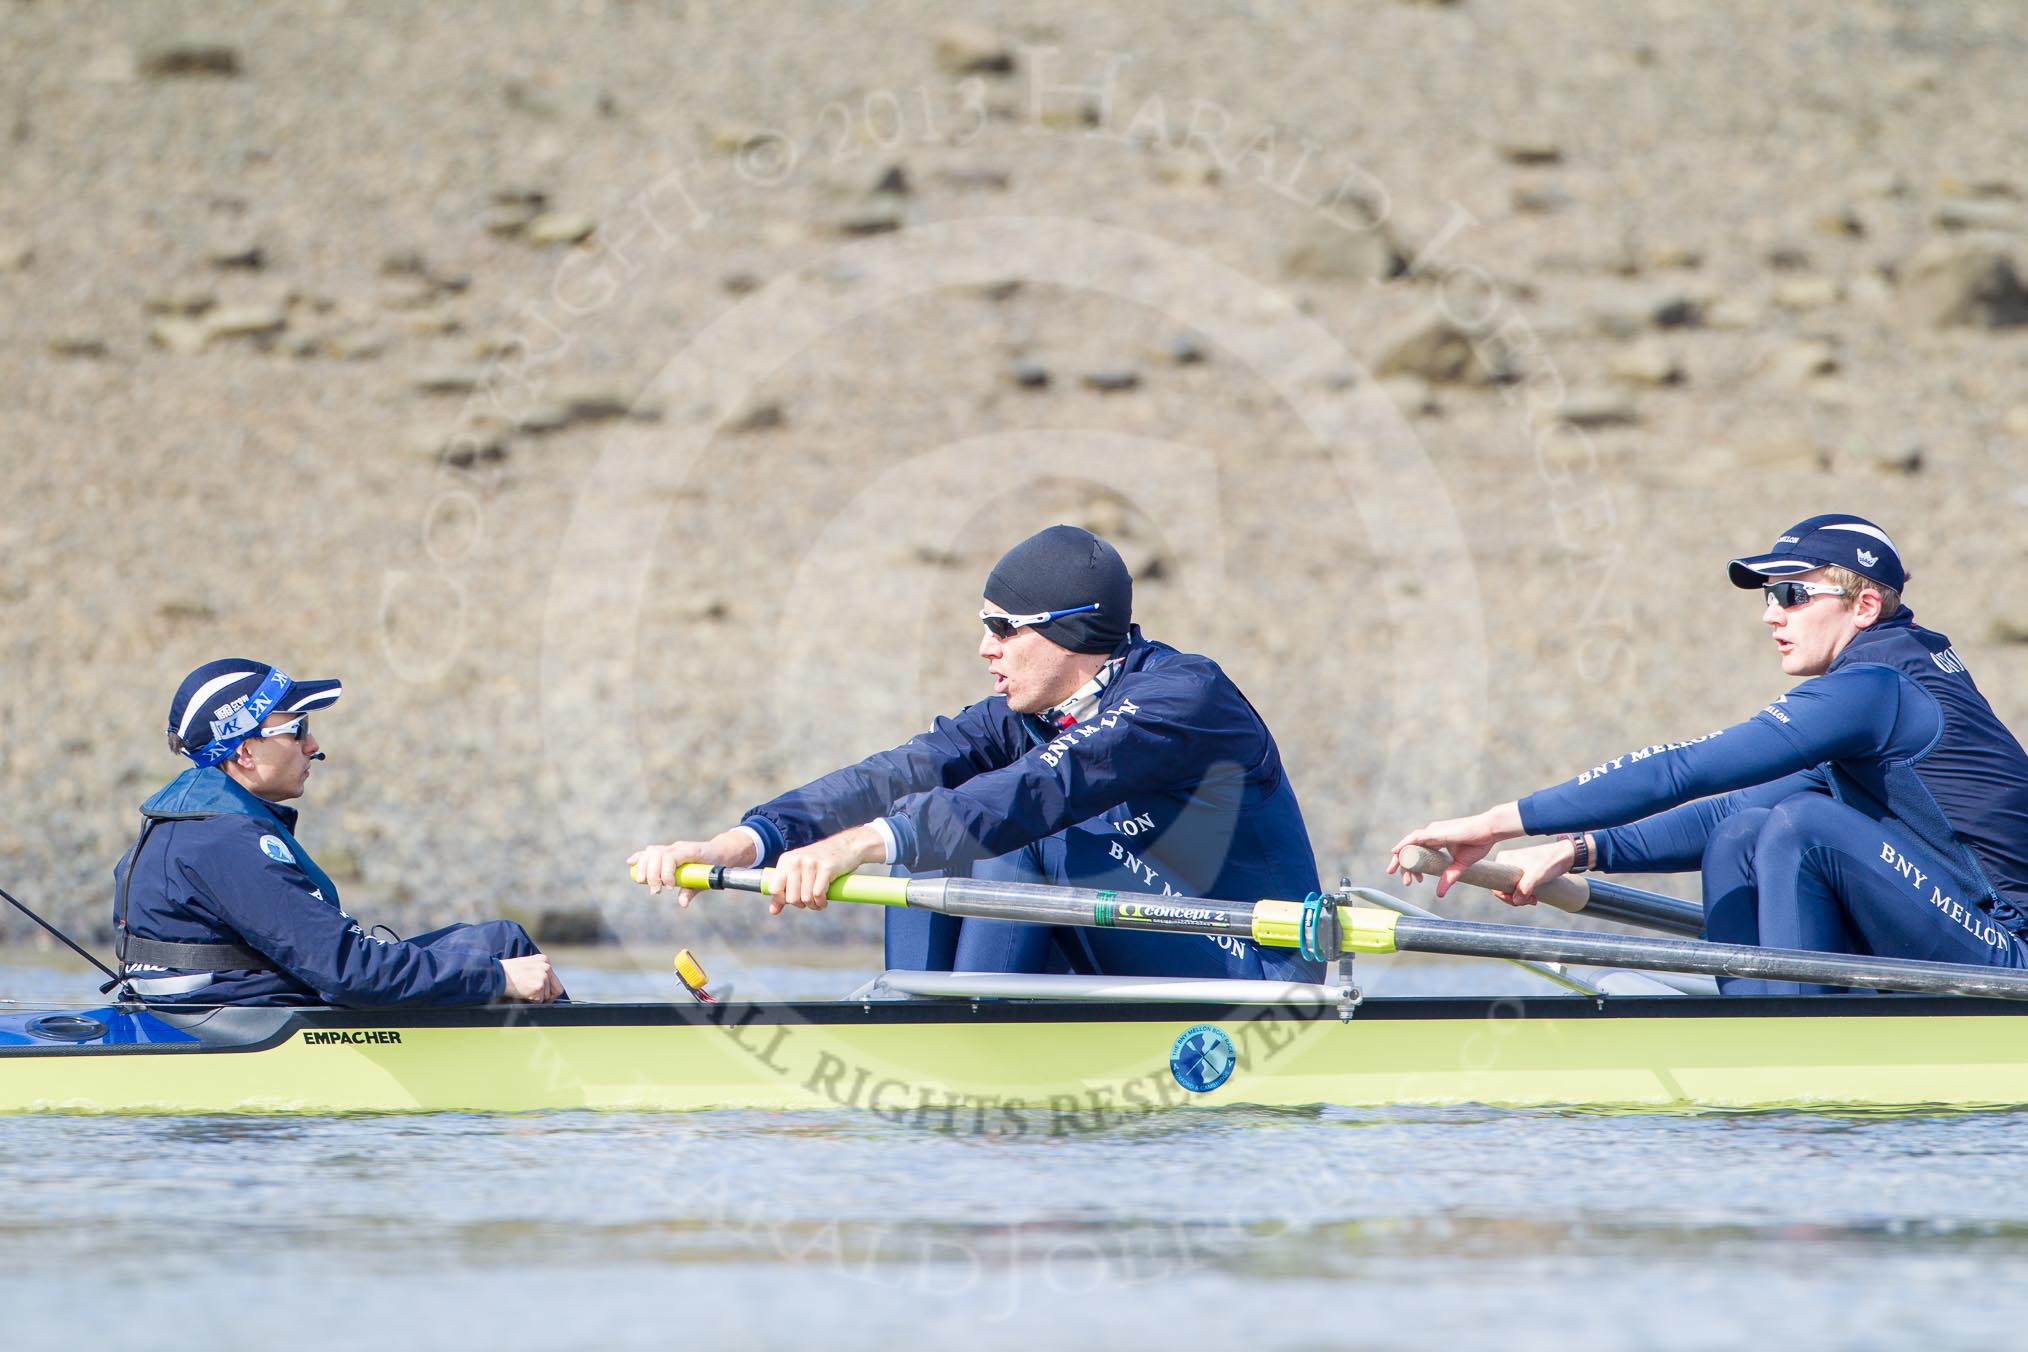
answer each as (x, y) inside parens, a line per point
(1832, 540)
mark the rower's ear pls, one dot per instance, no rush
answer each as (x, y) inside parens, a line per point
(1866, 607)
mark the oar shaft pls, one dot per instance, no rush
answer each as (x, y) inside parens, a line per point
(1691, 955)
(1548, 971)
(1652, 910)
(1105, 909)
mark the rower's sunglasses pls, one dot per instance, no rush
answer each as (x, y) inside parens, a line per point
(1789, 595)
(1001, 625)
(297, 728)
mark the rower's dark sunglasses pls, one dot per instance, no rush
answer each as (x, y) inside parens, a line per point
(1001, 625)
(1789, 595)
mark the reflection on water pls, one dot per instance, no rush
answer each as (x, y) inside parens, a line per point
(1265, 1229)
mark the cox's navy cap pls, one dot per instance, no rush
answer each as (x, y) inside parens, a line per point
(221, 702)
(1832, 540)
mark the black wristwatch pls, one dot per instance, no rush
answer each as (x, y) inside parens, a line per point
(1580, 852)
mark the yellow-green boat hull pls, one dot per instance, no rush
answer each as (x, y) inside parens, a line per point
(1033, 1066)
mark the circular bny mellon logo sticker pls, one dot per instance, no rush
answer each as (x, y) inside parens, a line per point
(1203, 1058)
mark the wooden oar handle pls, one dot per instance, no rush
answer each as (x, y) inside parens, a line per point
(1565, 893)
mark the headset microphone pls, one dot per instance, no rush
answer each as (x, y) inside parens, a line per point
(317, 756)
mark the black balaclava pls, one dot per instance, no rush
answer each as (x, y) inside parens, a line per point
(1063, 567)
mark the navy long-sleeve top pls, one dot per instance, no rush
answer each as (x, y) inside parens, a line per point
(1895, 728)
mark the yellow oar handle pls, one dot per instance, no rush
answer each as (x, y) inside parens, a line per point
(683, 872)
(850, 887)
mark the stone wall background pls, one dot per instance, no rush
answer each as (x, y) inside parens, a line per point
(627, 400)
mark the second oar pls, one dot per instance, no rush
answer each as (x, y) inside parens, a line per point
(1322, 928)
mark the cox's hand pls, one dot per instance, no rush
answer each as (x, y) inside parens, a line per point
(804, 876)
(656, 865)
(1538, 864)
(530, 980)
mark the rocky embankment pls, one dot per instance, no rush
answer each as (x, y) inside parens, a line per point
(627, 402)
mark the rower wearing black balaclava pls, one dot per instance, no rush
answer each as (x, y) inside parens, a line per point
(1102, 759)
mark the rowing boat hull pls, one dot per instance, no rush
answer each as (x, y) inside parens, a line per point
(1036, 1066)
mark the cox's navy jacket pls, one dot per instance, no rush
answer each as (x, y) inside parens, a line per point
(239, 876)
(1173, 785)
(1895, 729)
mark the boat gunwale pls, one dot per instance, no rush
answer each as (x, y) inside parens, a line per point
(731, 1015)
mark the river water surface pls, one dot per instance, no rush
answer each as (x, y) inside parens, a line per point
(1254, 1229)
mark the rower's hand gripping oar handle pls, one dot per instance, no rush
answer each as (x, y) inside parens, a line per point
(1565, 893)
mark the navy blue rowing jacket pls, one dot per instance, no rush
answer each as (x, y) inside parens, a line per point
(241, 877)
(1174, 782)
(1895, 728)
